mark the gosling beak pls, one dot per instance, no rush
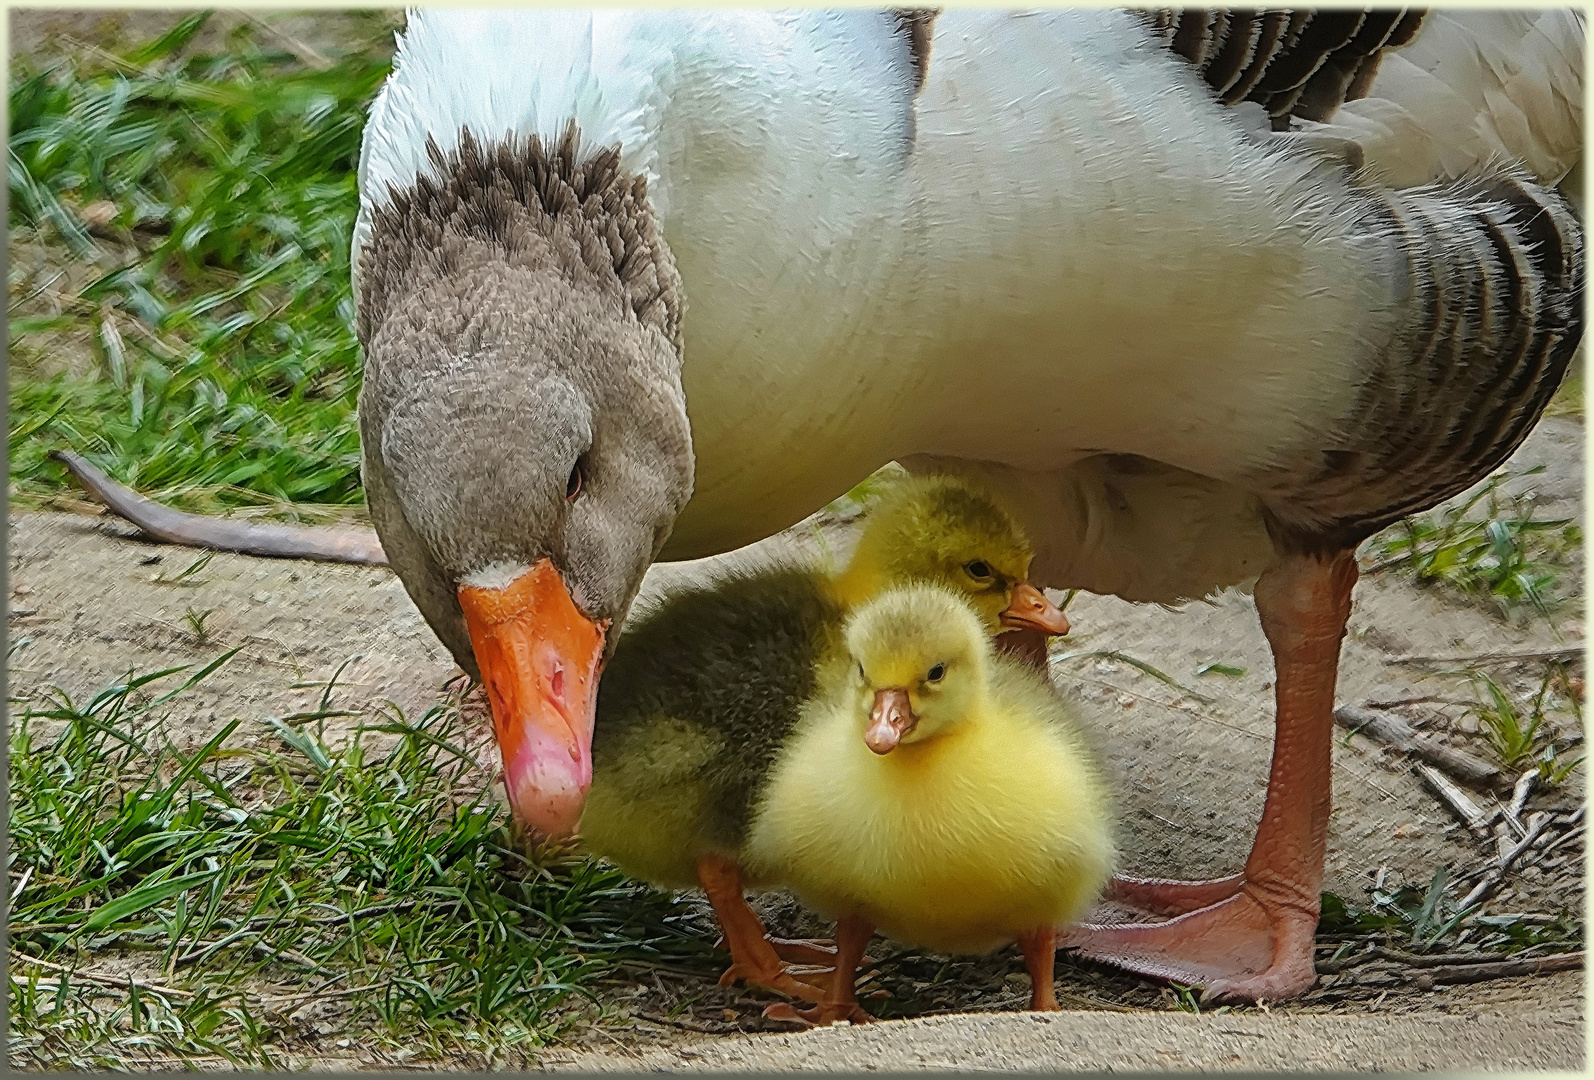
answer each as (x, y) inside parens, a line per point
(1030, 610)
(539, 658)
(890, 719)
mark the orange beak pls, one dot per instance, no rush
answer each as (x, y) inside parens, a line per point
(539, 658)
(890, 719)
(1030, 610)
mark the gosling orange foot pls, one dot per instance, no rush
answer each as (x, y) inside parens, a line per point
(840, 1001)
(1039, 947)
(754, 958)
(809, 960)
(1242, 948)
(775, 977)
(804, 950)
(821, 1015)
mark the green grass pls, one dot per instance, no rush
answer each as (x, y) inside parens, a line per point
(217, 311)
(236, 885)
(1515, 730)
(1426, 918)
(1490, 547)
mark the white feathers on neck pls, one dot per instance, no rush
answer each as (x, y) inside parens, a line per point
(497, 575)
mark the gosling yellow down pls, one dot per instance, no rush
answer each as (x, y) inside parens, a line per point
(936, 791)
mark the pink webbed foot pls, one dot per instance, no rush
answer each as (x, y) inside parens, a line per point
(1256, 943)
(1166, 896)
(1241, 948)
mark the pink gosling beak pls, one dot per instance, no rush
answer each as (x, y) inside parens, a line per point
(890, 719)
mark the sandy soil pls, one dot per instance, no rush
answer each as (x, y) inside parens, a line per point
(92, 604)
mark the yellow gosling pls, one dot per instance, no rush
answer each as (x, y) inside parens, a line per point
(704, 691)
(934, 791)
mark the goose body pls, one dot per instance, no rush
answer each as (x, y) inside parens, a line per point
(850, 250)
(657, 284)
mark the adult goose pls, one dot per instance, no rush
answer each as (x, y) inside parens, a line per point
(1097, 260)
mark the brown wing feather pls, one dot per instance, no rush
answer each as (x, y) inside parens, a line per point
(1302, 64)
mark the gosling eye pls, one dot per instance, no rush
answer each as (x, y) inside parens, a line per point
(936, 673)
(574, 484)
(979, 570)
(861, 675)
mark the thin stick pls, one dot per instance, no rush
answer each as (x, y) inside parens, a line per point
(1519, 798)
(1417, 960)
(686, 1025)
(1464, 808)
(316, 995)
(120, 982)
(1506, 969)
(104, 979)
(1565, 652)
(1536, 824)
(1563, 838)
(1424, 699)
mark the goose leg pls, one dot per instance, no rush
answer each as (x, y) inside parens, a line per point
(1040, 959)
(1257, 942)
(840, 1001)
(1028, 646)
(753, 959)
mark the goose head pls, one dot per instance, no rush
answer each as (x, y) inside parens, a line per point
(525, 438)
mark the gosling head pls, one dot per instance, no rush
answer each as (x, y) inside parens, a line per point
(920, 658)
(944, 531)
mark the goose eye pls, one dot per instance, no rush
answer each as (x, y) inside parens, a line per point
(861, 675)
(936, 673)
(573, 485)
(978, 569)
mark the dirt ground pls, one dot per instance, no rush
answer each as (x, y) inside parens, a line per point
(90, 604)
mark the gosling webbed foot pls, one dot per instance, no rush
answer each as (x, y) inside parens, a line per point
(778, 977)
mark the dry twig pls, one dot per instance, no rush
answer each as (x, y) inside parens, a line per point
(1565, 652)
(1505, 969)
(1536, 825)
(1396, 732)
(1464, 808)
